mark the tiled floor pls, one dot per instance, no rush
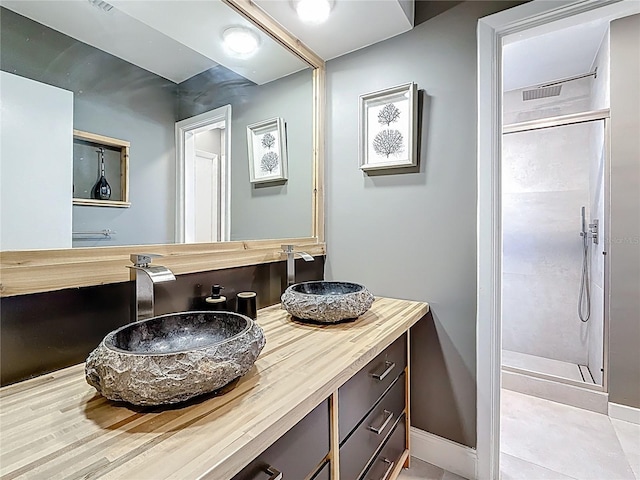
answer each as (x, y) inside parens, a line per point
(425, 471)
(543, 440)
(546, 440)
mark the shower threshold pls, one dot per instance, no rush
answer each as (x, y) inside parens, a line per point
(547, 368)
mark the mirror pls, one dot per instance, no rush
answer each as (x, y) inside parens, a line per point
(129, 71)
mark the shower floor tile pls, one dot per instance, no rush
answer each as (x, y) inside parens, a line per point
(543, 365)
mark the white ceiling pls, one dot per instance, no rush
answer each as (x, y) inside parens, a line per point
(178, 39)
(554, 55)
(352, 24)
(146, 33)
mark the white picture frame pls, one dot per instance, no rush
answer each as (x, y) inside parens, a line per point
(267, 145)
(387, 128)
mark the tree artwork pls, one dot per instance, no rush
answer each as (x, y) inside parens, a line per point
(388, 141)
(269, 162)
(389, 114)
(268, 141)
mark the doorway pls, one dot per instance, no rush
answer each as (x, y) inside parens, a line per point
(203, 177)
(530, 19)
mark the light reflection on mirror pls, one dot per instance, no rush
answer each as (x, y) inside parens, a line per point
(135, 71)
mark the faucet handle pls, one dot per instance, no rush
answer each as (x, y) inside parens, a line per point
(143, 259)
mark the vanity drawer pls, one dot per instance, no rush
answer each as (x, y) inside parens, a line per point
(388, 457)
(297, 453)
(357, 451)
(358, 395)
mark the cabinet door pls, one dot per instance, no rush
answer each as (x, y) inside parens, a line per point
(297, 453)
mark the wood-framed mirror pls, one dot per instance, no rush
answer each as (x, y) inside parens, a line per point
(25, 271)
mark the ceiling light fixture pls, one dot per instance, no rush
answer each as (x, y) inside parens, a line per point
(240, 40)
(313, 11)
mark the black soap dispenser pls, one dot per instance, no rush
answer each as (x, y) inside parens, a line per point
(216, 301)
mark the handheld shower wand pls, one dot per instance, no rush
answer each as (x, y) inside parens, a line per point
(584, 298)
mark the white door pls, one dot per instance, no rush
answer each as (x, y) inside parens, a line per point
(206, 195)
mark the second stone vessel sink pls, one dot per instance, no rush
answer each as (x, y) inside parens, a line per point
(172, 358)
(327, 302)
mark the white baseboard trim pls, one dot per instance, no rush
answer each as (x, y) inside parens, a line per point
(443, 453)
(624, 412)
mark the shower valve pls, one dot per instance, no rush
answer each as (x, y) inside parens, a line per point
(593, 231)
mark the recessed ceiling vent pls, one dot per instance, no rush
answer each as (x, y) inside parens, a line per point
(541, 92)
(107, 7)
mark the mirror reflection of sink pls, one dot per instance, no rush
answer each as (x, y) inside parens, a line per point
(172, 358)
(327, 302)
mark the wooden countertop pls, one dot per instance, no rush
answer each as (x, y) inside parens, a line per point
(57, 426)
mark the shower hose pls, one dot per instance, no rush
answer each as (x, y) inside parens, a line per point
(584, 299)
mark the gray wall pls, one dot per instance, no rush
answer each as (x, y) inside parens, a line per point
(413, 234)
(273, 210)
(112, 98)
(283, 209)
(624, 353)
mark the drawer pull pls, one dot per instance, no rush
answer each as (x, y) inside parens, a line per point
(389, 469)
(388, 366)
(275, 474)
(388, 416)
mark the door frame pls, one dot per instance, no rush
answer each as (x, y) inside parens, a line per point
(531, 19)
(189, 125)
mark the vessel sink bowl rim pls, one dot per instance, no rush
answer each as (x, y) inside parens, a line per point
(107, 341)
(296, 288)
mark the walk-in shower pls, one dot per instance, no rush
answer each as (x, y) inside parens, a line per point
(553, 281)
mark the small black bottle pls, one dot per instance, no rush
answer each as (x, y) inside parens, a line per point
(216, 301)
(102, 189)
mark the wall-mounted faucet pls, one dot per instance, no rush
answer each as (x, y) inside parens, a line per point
(289, 251)
(145, 276)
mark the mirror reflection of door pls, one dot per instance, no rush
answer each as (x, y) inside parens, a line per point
(203, 177)
(204, 185)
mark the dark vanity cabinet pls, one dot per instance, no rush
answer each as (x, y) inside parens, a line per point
(372, 412)
(371, 434)
(298, 454)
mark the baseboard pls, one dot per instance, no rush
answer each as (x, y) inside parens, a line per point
(624, 412)
(443, 453)
(585, 398)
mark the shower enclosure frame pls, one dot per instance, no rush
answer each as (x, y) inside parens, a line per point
(561, 121)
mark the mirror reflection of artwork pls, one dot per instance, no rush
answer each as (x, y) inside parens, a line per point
(267, 151)
(387, 128)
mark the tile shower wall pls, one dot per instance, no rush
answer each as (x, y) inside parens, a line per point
(545, 182)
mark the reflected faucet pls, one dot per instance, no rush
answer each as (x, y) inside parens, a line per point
(289, 251)
(145, 276)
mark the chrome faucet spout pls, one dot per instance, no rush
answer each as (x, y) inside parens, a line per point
(145, 276)
(290, 253)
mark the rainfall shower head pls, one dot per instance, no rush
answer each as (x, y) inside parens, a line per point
(541, 92)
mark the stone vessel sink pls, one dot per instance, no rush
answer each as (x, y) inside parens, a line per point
(326, 302)
(172, 358)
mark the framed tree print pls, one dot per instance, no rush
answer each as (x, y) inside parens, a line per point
(388, 120)
(267, 151)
